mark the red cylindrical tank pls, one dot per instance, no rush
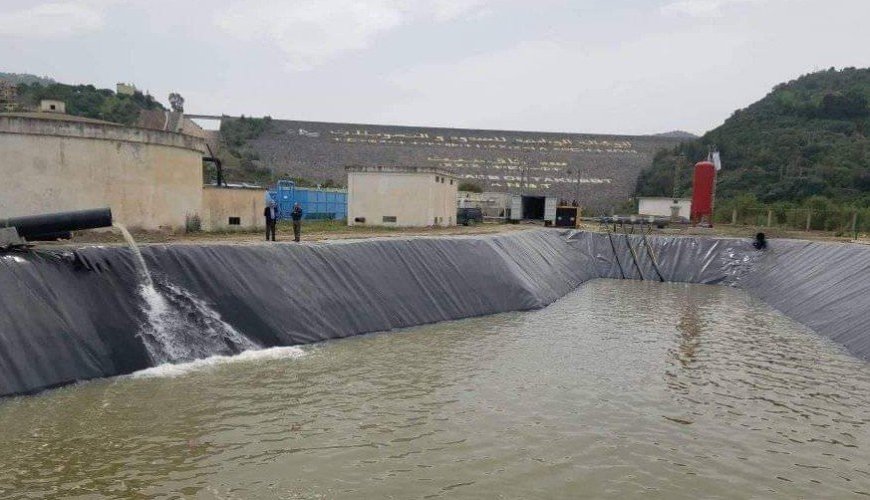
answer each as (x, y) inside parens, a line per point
(703, 187)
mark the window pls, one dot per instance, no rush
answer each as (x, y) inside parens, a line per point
(436, 179)
(52, 107)
(442, 180)
(361, 220)
(235, 221)
(389, 218)
(451, 182)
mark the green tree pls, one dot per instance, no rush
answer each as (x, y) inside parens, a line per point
(807, 138)
(471, 187)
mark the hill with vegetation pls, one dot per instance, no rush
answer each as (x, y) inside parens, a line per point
(81, 100)
(25, 78)
(803, 145)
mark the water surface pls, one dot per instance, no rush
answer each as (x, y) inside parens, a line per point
(621, 389)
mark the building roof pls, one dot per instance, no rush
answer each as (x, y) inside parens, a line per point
(395, 169)
(242, 185)
(662, 198)
(55, 116)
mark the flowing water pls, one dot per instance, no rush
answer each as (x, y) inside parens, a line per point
(147, 282)
(180, 327)
(621, 389)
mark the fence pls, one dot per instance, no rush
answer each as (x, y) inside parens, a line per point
(846, 221)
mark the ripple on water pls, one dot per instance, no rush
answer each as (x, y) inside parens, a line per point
(620, 389)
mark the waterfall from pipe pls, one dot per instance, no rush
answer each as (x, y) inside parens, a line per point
(180, 327)
(140, 261)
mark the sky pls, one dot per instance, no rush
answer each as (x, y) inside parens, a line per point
(594, 66)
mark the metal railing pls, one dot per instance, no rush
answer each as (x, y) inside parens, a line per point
(845, 221)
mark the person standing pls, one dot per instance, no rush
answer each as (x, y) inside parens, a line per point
(271, 214)
(296, 215)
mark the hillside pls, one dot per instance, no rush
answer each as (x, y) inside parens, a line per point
(82, 100)
(25, 78)
(804, 143)
(678, 134)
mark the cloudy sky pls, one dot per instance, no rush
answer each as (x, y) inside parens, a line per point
(601, 66)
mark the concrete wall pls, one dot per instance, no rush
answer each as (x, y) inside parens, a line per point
(150, 179)
(415, 199)
(219, 204)
(662, 206)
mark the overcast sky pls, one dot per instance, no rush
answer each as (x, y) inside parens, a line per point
(599, 66)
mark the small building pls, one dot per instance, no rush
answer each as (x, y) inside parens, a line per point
(233, 207)
(125, 88)
(401, 196)
(8, 96)
(664, 207)
(52, 106)
(533, 208)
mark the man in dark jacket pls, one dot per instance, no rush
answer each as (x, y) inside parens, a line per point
(271, 214)
(296, 215)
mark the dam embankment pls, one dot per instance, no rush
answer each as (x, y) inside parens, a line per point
(75, 315)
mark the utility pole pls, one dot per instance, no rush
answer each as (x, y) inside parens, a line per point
(680, 159)
(576, 172)
(577, 185)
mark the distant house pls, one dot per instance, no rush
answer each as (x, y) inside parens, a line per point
(664, 207)
(52, 106)
(125, 88)
(8, 95)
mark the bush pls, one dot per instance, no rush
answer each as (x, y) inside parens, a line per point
(471, 187)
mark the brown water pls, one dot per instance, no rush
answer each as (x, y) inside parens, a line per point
(621, 389)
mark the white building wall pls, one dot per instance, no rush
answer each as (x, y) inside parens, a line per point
(662, 206)
(415, 199)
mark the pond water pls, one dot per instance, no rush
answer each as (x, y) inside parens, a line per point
(621, 389)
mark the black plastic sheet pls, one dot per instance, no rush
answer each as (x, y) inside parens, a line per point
(80, 315)
(68, 316)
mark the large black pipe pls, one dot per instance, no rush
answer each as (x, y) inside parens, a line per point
(32, 226)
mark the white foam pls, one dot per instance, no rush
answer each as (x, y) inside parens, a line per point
(14, 258)
(168, 370)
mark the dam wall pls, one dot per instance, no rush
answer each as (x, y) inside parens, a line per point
(70, 315)
(595, 168)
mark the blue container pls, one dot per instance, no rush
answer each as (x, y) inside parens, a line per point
(322, 204)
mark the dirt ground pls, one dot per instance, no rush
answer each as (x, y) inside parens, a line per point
(334, 230)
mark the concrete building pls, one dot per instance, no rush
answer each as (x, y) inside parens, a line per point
(8, 96)
(664, 207)
(233, 207)
(53, 162)
(52, 106)
(125, 88)
(401, 196)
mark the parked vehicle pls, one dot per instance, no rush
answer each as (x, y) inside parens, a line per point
(469, 216)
